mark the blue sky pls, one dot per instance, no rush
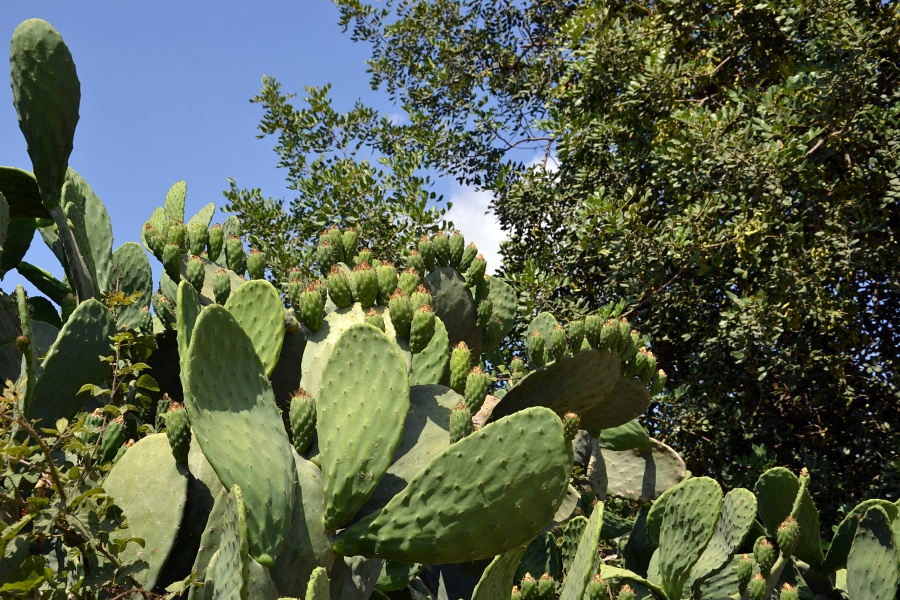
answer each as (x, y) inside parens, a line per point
(165, 89)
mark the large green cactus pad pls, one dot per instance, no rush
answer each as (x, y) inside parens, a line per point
(637, 474)
(843, 537)
(130, 272)
(151, 490)
(174, 202)
(235, 419)
(776, 490)
(495, 581)
(229, 572)
(873, 571)
(447, 515)
(96, 237)
(360, 407)
(257, 307)
(20, 189)
(429, 365)
(454, 305)
(582, 568)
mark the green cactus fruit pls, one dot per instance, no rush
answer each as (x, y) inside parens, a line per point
(757, 587)
(216, 242)
(529, 587)
(764, 555)
(339, 287)
(492, 334)
(374, 318)
(646, 365)
(426, 250)
(336, 240)
(632, 343)
(256, 264)
(92, 425)
(235, 257)
(420, 297)
(311, 305)
(156, 240)
(302, 415)
(172, 261)
(195, 273)
(366, 284)
(409, 281)
(178, 430)
(516, 369)
(546, 587)
(557, 344)
(325, 257)
(576, 335)
(745, 569)
(221, 286)
(609, 336)
(475, 274)
(460, 362)
(457, 247)
(537, 350)
(441, 245)
(387, 282)
(401, 311)
(468, 255)
(415, 261)
(146, 323)
(484, 312)
(177, 234)
(112, 439)
(460, 423)
(364, 256)
(789, 592)
(349, 242)
(787, 535)
(198, 237)
(624, 334)
(593, 328)
(571, 425)
(294, 288)
(597, 588)
(626, 593)
(476, 389)
(658, 383)
(516, 593)
(421, 329)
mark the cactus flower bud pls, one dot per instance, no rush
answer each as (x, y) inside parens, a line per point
(789, 592)
(744, 572)
(221, 286)
(457, 246)
(757, 587)
(571, 425)
(460, 363)
(764, 554)
(302, 414)
(256, 264)
(216, 242)
(529, 587)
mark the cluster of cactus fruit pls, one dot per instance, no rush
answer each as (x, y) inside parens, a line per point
(348, 446)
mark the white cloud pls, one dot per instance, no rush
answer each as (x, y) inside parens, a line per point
(471, 214)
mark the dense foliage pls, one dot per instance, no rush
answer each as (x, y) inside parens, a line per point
(730, 170)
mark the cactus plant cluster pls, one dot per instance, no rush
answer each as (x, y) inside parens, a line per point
(337, 438)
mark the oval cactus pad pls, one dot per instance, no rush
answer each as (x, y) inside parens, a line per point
(238, 426)
(361, 407)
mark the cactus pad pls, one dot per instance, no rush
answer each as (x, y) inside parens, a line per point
(257, 307)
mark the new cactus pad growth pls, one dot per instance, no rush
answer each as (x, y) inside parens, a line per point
(216, 242)
(476, 389)
(460, 363)
(303, 420)
(626, 593)
(789, 592)
(597, 588)
(198, 237)
(764, 555)
(460, 423)
(421, 329)
(178, 431)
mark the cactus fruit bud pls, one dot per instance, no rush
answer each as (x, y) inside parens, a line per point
(476, 389)
(387, 282)
(408, 281)
(415, 261)
(537, 351)
(325, 257)
(476, 271)
(484, 312)
(789, 592)
(235, 257)
(92, 424)
(302, 414)
(630, 347)
(216, 242)
(658, 383)
(571, 425)
(256, 264)
(576, 335)
(646, 365)
(516, 594)
(593, 328)
(421, 329)
(177, 235)
(295, 287)
(333, 238)
(146, 320)
(312, 308)
(757, 587)
(529, 587)
(401, 313)
(764, 554)
(609, 335)
(441, 245)
(198, 238)
(624, 332)
(420, 297)
(516, 369)
(626, 593)
(374, 318)
(349, 242)
(460, 362)
(112, 439)
(460, 422)
(457, 246)
(546, 587)
(468, 255)
(744, 572)
(787, 535)
(556, 345)
(364, 256)
(426, 249)
(366, 284)
(221, 286)
(22, 343)
(339, 287)
(195, 273)
(156, 240)
(178, 430)
(492, 334)
(597, 588)
(164, 309)
(172, 262)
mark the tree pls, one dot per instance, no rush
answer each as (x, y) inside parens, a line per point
(730, 170)
(349, 170)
